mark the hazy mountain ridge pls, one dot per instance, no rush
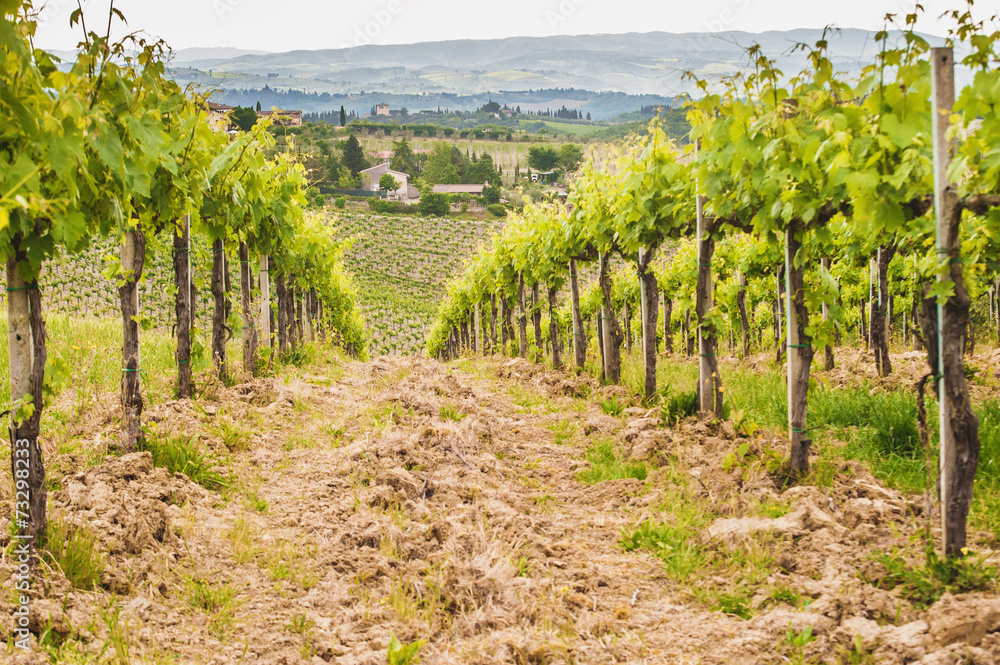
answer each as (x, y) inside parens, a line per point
(636, 64)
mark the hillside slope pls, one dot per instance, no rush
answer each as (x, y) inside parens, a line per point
(491, 508)
(636, 63)
(401, 265)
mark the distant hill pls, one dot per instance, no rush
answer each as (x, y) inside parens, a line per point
(634, 64)
(189, 55)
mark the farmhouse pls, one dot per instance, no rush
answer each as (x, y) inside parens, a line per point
(370, 178)
(382, 109)
(286, 118)
(218, 116)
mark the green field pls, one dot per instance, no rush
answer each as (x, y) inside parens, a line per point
(571, 128)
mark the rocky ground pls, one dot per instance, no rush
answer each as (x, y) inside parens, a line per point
(445, 503)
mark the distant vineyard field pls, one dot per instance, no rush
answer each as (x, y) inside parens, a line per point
(401, 265)
(74, 285)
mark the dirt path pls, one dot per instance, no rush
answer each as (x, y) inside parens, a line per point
(443, 503)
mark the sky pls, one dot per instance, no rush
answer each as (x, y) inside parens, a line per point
(288, 25)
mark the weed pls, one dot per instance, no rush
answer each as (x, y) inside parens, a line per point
(283, 561)
(240, 539)
(300, 624)
(822, 473)
(184, 455)
(298, 442)
(674, 544)
(772, 508)
(387, 547)
(119, 635)
(736, 604)
(563, 432)
(253, 500)
(299, 357)
(612, 407)
(218, 602)
(336, 434)
(784, 594)
(76, 552)
(798, 639)
(545, 502)
(605, 464)
(794, 643)
(856, 654)
(532, 402)
(400, 654)
(749, 457)
(676, 407)
(450, 414)
(924, 584)
(235, 437)
(523, 566)
(744, 425)
(387, 415)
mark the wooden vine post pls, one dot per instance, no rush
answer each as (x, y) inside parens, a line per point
(219, 319)
(182, 306)
(959, 426)
(133, 255)
(249, 331)
(799, 357)
(778, 314)
(493, 323)
(703, 304)
(553, 294)
(504, 324)
(26, 346)
(265, 302)
(479, 340)
(943, 98)
(648, 296)
(579, 336)
(612, 334)
(522, 319)
(741, 305)
(536, 320)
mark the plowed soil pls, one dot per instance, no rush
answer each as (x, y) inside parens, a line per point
(444, 503)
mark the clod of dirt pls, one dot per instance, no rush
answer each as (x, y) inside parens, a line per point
(600, 423)
(967, 618)
(906, 643)
(806, 518)
(124, 502)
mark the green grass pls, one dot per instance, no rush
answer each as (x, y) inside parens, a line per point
(216, 600)
(674, 543)
(450, 413)
(985, 512)
(606, 464)
(612, 407)
(878, 427)
(675, 407)
(75, 551)
(185, 455)
(570, 128)
(85, 355)
(924, 583)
